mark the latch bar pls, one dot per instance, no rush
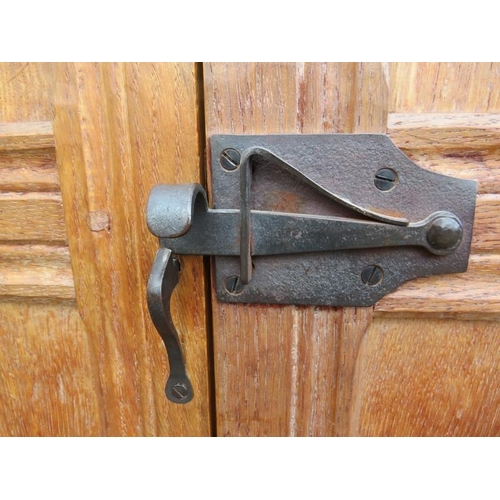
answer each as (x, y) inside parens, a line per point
(217, 232)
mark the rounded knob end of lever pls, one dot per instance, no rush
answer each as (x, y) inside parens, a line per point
(445, 234)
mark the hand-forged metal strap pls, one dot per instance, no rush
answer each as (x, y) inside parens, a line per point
(245, 213)
(164, 277)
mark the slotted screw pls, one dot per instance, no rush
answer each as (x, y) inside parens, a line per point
(386, 179)
(179, 391)
(234, 286)
(372, 275)
(230, 159)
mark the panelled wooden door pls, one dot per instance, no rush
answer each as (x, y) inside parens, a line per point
(79, 354)
(425, 360)
(81, 145)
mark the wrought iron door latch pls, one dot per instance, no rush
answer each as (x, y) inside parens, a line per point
(330, 220)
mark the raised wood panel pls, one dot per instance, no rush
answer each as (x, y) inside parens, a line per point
(32, 229)
(48, 377)
(28, 157)
(286, 370)
(445, 133)
(40, 272)
(418, 377)
(22, 136)
(483, 168)
(119, 130)
(32, 217)
(464, 145)
(434, 377)
(471, 295)
(29, 171)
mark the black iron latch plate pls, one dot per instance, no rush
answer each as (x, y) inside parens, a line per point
(363, 177)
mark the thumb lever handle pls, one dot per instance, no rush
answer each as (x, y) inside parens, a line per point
(162, 281)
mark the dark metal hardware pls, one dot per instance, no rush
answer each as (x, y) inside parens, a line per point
(162, 281)
(337, 220)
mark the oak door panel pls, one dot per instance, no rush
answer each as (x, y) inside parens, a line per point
(81, 145)
(419, 362)
(288, 370)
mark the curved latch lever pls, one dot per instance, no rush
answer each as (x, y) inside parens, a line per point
(162, 281)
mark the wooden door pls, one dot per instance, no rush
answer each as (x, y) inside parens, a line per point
(78, 352)
(81, 145)
(425, 360)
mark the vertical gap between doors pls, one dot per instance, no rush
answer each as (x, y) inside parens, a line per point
(200, 103)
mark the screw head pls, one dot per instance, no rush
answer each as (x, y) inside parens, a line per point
(233, 285)
(386, 179)
(230, 159)
(372, 275)
(444, 234)
(179, 391)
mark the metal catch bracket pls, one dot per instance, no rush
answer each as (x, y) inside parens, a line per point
(331, 220)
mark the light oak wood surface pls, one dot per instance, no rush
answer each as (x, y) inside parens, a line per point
(119, 130)
(418, 377)
(444, 87)
(79, 353)
(49, 386)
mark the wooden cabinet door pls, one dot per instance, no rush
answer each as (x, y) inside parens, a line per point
(423, 361)
(81, 145)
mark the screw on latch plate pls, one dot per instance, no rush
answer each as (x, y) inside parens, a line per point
(230, 159)
(234, 285)
(372, 275)
(386, 179)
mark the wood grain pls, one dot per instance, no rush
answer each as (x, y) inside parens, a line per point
(444, 88)
(28, 157)
(445, 133)
(20, 136)
(120, 129)
(289, 370)
(471, 295)
(37, 272)
(48, 383)
(48, 380)
(420, 377)
(26, 92)
(29, 171)
(302, 371)
(32, 217)
(463, 145)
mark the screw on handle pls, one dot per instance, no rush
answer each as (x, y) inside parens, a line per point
(162, 281)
